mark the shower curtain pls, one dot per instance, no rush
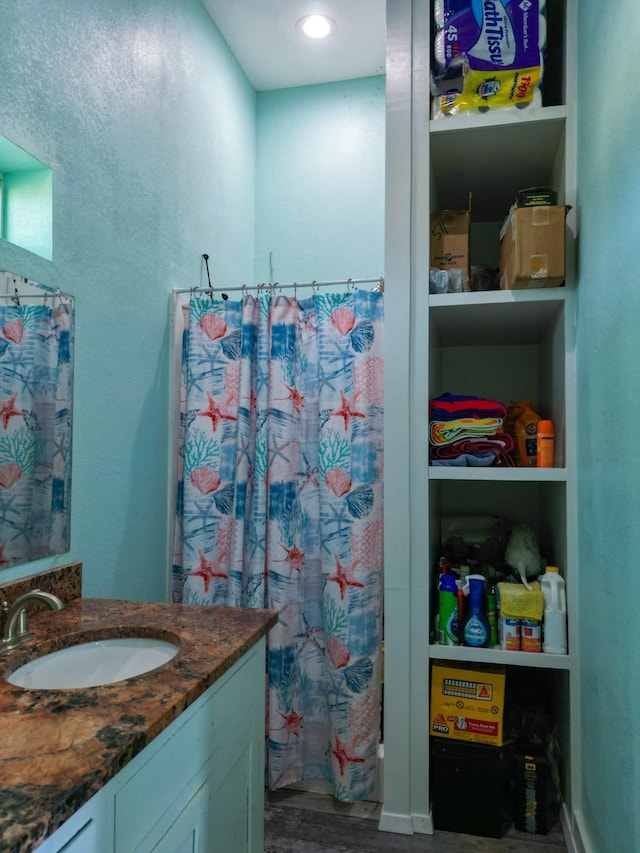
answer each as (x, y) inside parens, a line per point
(279, 505)
(36, 386)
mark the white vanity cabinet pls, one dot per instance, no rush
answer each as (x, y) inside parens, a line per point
(197, 788)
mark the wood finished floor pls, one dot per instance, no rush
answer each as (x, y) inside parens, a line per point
(315, 823)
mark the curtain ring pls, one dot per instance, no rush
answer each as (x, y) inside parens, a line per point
(349, 284)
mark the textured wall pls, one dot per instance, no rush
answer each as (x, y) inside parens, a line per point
(149, 126)
(320, 189)
(608, 358)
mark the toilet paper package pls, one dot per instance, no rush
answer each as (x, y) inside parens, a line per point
(488, 54)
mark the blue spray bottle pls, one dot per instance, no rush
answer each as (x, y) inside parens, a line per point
(476, 630)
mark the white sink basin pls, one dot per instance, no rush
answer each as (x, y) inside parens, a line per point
(94, 663)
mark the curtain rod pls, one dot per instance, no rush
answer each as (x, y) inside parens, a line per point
(276, 285)
(18, 297)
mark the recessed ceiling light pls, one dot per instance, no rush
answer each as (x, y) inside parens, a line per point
(316, 26)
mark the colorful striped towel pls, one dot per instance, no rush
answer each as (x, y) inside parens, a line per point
(500, 444)
(446, 432)
(453, 406)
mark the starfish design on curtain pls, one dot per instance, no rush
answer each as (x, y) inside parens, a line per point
(8, 410)
(344, 576)
(3, 562)
(310, 475)
(348, 411)
(214, 411)
(292, 723)
(297, 399)
(342, 756)
(295, 558)
(208, 570)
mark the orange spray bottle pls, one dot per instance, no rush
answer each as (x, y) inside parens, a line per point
(545, 445)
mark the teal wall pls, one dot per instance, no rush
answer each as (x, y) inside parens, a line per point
(149, 126)
(320, 187)
(608, 359)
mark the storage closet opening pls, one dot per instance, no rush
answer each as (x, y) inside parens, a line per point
(554, 77)
(476, 774)
(501, 353)
(540, 505)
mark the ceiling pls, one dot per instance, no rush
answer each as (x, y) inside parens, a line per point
(263, 38)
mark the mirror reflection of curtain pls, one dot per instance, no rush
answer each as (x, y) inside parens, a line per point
(280, 506)
(36, 378)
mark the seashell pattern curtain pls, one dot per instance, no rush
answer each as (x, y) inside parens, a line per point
(279, 505)
(36, 387)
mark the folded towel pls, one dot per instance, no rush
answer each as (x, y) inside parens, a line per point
(448, 406)
(501, 444)
(466, 460)
(446, 432)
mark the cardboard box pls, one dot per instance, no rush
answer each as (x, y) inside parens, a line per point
(467, 703)
(532, 247)
(449, 244)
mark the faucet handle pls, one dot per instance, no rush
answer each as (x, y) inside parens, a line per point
(13, 617)
(23, 627)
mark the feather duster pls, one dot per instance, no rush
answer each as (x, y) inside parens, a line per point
(522, 553)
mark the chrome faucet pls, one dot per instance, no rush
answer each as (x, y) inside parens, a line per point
(14, 630)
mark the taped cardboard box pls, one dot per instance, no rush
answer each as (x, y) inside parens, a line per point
(449, 244)
(467, 703)
(532, 247)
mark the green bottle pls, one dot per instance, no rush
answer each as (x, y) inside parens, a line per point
(448, 610)
(492, 616)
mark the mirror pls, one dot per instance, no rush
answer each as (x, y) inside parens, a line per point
(36, 388)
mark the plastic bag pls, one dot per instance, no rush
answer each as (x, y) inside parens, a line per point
(522, 424)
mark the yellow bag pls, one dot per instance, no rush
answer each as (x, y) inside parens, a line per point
(517, 602)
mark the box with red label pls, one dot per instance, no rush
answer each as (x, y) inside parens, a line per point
(467, 702)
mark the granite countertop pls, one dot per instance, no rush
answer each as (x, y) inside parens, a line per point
(59, 747)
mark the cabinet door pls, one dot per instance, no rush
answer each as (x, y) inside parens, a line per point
(189, 832)
(232, 807)
(84, 841)
(88, 831)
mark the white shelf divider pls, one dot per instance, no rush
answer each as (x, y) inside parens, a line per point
(468, 654)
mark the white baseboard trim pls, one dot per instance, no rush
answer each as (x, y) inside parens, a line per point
(404, 824)
(575, 834)
(400, 823)
(422, 824)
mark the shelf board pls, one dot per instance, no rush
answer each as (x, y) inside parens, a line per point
(499, 474)
(492, 155)
(467, 654)
(496, 317)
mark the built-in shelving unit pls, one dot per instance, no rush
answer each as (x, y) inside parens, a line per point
(504, 345)
(465, 654)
